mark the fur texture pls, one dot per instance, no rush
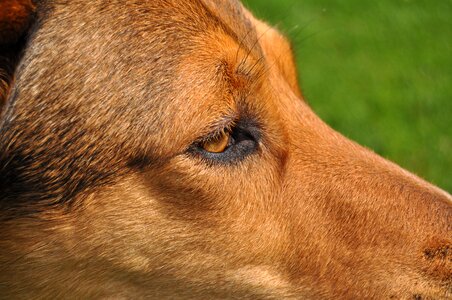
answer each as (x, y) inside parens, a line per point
(100, 196)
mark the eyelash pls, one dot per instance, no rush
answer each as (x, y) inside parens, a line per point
(214, 135)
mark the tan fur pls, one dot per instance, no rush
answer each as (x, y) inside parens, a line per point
(100, 197)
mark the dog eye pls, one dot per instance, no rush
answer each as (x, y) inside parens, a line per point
(228, 145)
(218, 143)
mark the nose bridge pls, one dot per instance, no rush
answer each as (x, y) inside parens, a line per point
(326, 164)
(364, 209)
(333, 162)
(329, 167)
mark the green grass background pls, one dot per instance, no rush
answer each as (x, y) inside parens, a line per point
(380, 72)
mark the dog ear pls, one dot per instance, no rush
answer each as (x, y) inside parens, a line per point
(15, 19)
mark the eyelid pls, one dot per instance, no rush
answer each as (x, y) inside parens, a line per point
(217, 132)
(225, 124)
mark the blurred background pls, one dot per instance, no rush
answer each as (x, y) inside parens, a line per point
(380, 72)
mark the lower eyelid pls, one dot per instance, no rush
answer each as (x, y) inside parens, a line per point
(234, 153)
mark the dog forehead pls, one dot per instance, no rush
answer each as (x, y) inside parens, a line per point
(229, 15)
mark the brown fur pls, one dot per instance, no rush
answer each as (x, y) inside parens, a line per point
(100, 196)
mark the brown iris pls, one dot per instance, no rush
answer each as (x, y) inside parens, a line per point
(217, 144)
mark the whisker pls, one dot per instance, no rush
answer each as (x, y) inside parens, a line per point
(241, 44)
(243, 61)
(248, 72)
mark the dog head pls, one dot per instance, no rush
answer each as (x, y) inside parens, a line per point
(163, 149)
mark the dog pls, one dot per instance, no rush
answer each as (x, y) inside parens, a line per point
(163, 150)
